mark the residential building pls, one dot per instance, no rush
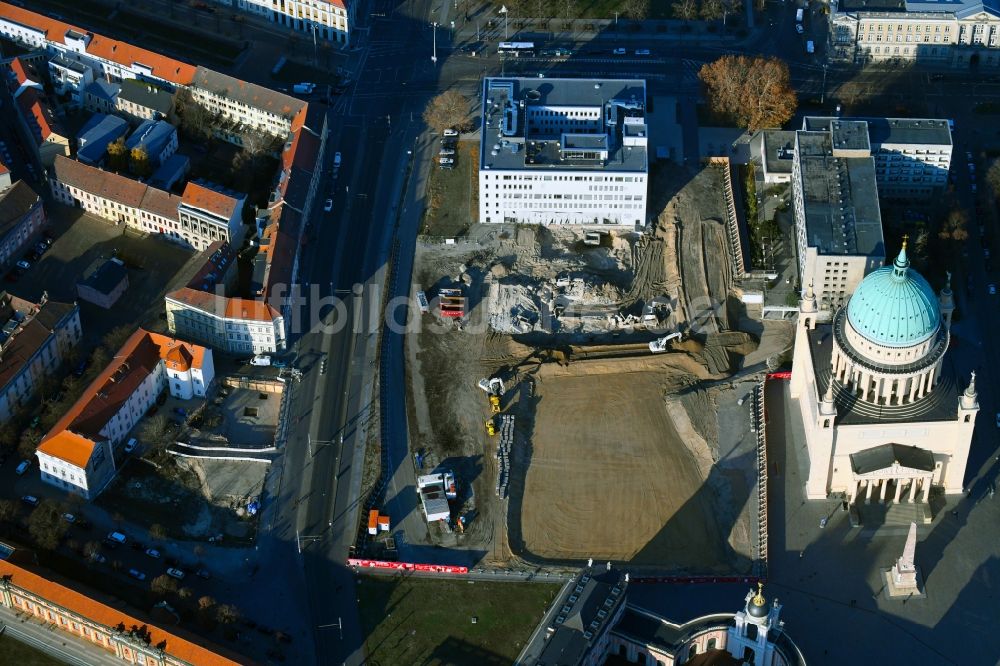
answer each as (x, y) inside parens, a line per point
(23, 74)
(563, 151)
(101, 96)
(157, 137)
(912, 155)
(35, 340)
(592, 623)
(197, 219)
(77, 454)
(838, 223)
(107, 58)
(203, 312)
(961, 34)
(248, 105)
(208, 213)
(329, 20)
(96, 135)
(105, 284)
(22, 217)
(142, 100)
(47, 137)
(129, 635)
(70, 77)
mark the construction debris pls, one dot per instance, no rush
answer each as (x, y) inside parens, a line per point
(503, 454)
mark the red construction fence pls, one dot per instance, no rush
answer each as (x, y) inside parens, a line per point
(407, 566)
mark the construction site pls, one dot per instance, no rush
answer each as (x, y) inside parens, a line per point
(586, 389)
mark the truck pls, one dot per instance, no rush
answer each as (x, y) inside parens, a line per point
(261, 360)
(304, 88)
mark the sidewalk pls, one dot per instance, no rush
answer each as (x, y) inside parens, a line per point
(53, 641)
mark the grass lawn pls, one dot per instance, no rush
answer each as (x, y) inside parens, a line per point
(13, 651)
(421, 621)
(453, 194)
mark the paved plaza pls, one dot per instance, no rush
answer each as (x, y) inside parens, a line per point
(834, 606)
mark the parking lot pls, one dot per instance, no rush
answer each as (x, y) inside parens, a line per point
(82, 242)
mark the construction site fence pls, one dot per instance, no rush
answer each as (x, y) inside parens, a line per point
(733, 233)
(407, 566)
(760, 426)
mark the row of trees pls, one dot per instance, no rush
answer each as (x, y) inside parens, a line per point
(565, 9)
(709, 10)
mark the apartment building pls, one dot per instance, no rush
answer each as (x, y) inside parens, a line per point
(123, 633)
(202, 310)
(35, 339)
(960, 34)
(838, 222)
(77, 454)
(100, 96)
(142, 100)
(563, 151)
(22, 217)
(912, 155)
(246, 104)
(100, 131)
(47, 138)
(202, 215)
(328, 20)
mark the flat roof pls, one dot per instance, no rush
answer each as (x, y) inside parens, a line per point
(510, 142)
(107, 276)
(931, 131)
(840, 199)
(778, 149)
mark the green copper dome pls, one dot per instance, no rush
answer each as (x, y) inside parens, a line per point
(894, 306)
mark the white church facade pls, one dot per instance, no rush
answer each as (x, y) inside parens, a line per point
(885, 418)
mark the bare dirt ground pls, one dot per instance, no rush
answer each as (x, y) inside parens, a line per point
(614, 452)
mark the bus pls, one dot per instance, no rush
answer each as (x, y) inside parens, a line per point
(516, 49)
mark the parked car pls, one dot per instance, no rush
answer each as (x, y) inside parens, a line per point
(117, 537)
(619, 51)
(98, 558)
(642, 52)
(152, 552)
(69, 518)
(175, 573)
(450, 132)
(446, 161)
(30, 500)
(336, 160)
(23, 467)
(799, 29)
(135, 573)
(132, 443)
(992, 289)
(203, 573)
(446, 152)
(328, 206)
(23, 265)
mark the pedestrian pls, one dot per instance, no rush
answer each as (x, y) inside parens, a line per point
(801, 553)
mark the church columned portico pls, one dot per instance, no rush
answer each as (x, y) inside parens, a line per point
(907, 470)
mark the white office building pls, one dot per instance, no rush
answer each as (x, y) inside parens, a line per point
(564, 151)
(329, 20)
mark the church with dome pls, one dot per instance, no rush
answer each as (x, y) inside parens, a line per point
(886, 416)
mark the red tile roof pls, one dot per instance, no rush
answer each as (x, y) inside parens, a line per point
(72, 437)
(100, 46)
(160, 202)
(230, 308)
(189, 651)
(203, 198)
(34, 106)
(17, 67)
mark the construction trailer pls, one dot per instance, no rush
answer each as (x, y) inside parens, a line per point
(451, 303)
(435, 490)
(373, 522)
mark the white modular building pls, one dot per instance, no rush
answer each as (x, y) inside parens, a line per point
(564, 151)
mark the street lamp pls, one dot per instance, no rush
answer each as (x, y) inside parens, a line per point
(434, 53)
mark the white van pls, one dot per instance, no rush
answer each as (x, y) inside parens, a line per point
(799, 13)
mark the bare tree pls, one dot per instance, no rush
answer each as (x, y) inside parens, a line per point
(116, 337)
(91, 548)
(686, 10)
(206, 603)
(754, 92)
(227, 614)
(157, 532)
(46, 526)
(185, 593)
(993, 177)
(450, 109)
(955, 226)
(163, 585)
(712, 10)
(636, 10)
(28, 444)
(8, 510)
(155, 431)
(569, 10)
